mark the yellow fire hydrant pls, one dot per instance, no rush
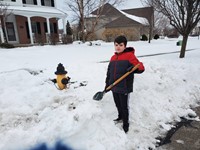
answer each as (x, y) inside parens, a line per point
(62, 79)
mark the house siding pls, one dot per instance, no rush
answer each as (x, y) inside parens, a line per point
(132, 33)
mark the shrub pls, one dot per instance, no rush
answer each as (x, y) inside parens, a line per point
(66, 39)
(39, 39)
(6, 45)
(144, 38)
(156, 37)
(53, 39)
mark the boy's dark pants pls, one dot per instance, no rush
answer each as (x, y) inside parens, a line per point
(121, 102)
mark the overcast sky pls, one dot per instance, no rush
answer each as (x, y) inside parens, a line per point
(126, 4)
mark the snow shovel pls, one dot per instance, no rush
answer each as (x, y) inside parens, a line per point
(99, 95)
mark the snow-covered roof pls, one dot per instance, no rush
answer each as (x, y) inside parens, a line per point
(111, 10)
(140, 20)
(35, 11)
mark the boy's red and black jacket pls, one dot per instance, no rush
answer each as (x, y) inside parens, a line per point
(118, 66)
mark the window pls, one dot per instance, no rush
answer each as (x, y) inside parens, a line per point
(45, 27)
(27, 30)
(53, 28)
(47, 3)
(36, 27)
(9, 0)
(11, 31)
(32, 2)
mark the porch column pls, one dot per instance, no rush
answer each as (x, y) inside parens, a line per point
(30, 29)
(48, 26)
(1, 32)
(39, 2)
(48, 31)
(64, 26)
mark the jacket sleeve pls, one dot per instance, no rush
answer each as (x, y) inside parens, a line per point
(108, 76)
(134, 61)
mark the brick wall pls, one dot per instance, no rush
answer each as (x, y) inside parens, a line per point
(22, 29)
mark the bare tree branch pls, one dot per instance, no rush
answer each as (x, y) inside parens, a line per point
(83, 8)
(183, 15)
(4, 13)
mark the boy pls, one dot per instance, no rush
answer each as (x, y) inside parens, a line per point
(120, 63)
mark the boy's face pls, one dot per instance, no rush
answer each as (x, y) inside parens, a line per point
(119, 47)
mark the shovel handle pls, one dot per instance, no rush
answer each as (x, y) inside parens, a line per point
(122, 77)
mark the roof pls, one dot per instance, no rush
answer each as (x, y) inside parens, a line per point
(107, 10)
(145, 12)
(126, 17)
(35, 11)
(122, 21)
(140, 20)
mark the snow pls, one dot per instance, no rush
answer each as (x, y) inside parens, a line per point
(33, 110)
(141, 20)
(31, 9)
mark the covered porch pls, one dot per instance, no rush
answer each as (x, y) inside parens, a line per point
(30, 25)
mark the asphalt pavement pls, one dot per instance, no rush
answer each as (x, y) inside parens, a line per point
(187, 137)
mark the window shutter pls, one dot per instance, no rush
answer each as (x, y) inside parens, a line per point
(24, 1)
(55, 27)
(42, 2)
(52, 3)
(35, 2)
(27, 30)
(38, 27)
(45, 27)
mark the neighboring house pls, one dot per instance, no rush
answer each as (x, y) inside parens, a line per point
(32, 21)
(131, 22)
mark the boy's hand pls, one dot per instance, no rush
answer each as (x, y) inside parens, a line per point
(129, 68)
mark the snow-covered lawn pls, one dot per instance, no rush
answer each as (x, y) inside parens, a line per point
(33, 111)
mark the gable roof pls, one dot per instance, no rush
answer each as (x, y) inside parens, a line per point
(122, 21)
(126, 18)
(140, 20)
(108, 10)
(146, 12)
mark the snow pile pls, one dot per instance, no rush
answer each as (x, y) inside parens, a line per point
(33, 111)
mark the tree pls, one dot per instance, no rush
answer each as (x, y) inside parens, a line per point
(3, 17)
(69, 29)
(182, 14)
(82, 9)
(161, 23)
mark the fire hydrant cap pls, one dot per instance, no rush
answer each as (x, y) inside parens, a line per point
(60, 70)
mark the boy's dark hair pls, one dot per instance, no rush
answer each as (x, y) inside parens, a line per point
(121, 39)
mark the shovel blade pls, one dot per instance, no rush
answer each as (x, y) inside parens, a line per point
(98, 96)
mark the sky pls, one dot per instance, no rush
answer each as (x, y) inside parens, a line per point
(34, 111)
(128, 4)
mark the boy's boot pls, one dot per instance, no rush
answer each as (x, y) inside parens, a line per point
(126, 127)
(118, 120)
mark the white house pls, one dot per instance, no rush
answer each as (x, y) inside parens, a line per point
(31, 21)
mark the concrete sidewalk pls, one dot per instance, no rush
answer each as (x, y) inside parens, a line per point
(186, 137)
